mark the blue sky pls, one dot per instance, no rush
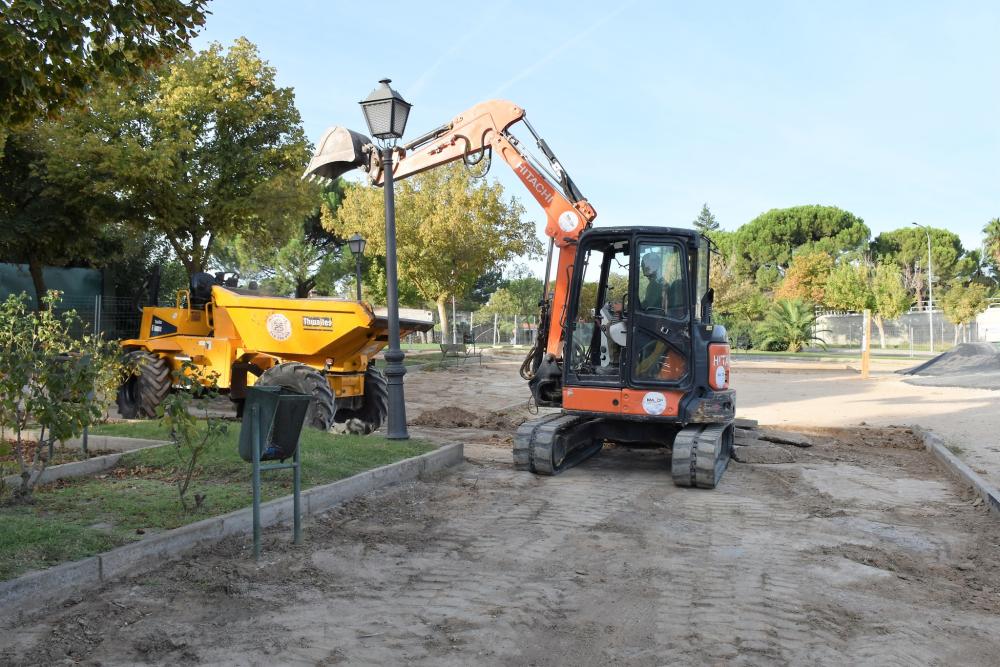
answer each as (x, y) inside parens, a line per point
(890, 110)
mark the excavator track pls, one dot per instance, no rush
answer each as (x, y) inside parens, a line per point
(546, 446)
(700, 455)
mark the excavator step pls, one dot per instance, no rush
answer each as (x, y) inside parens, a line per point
(700, 455)
(547, 446)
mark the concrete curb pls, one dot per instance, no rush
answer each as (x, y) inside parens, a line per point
(92, 465)
(104, 441)
(33, 591)
(935, 445)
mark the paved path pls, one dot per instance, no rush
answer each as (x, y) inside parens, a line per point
(850, 555)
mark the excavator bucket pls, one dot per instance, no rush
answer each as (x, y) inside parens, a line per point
(339, 151)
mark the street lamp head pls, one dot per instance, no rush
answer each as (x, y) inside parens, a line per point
(385, 112)
(357, 245)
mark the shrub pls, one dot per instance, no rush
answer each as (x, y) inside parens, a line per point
(789, 325)
(48, 378)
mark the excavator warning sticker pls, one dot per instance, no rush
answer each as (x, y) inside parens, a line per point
(568, 221)
(279, 326)
(654, 403)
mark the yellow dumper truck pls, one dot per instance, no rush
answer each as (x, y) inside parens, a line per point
(318, 346)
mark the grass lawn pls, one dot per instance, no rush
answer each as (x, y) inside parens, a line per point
(72, 519)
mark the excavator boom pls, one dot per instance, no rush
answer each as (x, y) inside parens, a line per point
(472, 136)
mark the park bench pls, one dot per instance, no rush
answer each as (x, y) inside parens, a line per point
(462, 351)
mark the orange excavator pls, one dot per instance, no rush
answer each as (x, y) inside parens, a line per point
(626, 346)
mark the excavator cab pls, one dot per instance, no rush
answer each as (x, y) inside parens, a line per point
(637, 317)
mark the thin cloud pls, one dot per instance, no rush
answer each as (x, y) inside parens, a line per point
(532, 68)
(471, 31)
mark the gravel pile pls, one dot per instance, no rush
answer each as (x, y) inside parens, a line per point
(969, 365)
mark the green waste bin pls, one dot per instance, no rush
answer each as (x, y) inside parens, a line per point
(272, 424)
(281, 414)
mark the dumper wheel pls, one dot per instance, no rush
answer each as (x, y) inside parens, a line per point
(305, 380)
(146, 386)
(372, 413)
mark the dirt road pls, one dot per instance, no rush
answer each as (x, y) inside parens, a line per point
(852, 554)
(968, 419)
(859, 551)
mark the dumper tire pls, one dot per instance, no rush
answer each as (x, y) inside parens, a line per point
(373, 411)
(305, 380)
(147, 384)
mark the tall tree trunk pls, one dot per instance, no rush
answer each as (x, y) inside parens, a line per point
(35, 268)
(303, 288)
(881, 330)
(442, 304)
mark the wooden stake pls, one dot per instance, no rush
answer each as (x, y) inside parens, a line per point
(866, 345)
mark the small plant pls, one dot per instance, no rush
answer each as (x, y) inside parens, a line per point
(179, 414)
(48, 378)
(790, 324)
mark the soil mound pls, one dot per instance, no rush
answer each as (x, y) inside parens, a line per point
(452, 417)
(971, 365)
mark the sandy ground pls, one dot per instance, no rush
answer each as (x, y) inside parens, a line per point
(852, 554)
(859, 551)
(968, 419)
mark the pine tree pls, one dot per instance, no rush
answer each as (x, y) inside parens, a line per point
(706, 222)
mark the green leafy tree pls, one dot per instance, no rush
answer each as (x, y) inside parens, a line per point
(738, 302)
(450, 229)
(705, 222)
(311, 259)
(771, 238)
(859, 286)
(50, 378)
(39, 226)
(53, 51)
(806, 276)
(849, 287)
(790, 324)
(907, 249)
(962, 303)
(890, 298)
(724, 243)
(201, 151)
(991, 242)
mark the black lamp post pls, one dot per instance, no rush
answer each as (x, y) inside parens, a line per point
(386, 112)
(357, 245)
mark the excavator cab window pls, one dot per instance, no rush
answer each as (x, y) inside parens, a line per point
(599, 331)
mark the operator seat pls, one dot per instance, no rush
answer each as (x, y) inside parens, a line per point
(201, 289)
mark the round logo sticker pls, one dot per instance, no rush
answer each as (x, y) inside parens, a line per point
(654, 403)
(568, 221)
(278, 326)
(720, 376)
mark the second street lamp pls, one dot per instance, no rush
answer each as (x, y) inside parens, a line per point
(386, 112)
(357, 245)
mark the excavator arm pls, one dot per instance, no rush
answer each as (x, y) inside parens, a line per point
(472, 136)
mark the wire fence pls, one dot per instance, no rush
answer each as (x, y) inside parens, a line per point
(114, 317)
(911, 331)
(481, 329)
